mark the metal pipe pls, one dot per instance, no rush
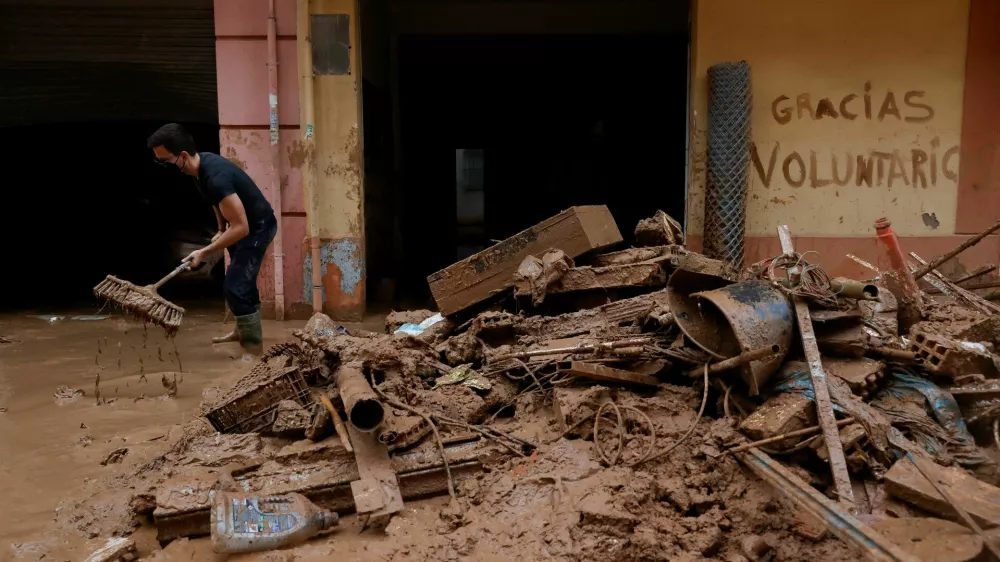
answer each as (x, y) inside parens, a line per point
(898, 354)
(783, 436)
(364, 410)
(272, 102)
(587, 348)
(958, 250)
(310, 189)
(738, 361)
(852, 289)
(856, 534)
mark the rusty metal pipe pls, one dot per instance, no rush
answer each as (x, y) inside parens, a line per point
(310, 187)
(849, 288)
(737, 361)
(364, 410)
(898, 354)
(272, 102)
(588, 348)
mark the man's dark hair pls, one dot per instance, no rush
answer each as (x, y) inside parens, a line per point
(174, 138)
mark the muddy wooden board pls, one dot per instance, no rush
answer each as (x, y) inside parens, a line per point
(575, 231)
(982, 501)
(377, 492)
(646, 274)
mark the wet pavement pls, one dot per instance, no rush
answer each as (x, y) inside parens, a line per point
(49, 451)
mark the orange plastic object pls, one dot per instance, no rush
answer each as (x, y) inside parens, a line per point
(894, 254)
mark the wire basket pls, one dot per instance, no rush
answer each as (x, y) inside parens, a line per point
(253, 408)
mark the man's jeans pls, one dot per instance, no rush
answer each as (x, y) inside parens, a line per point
(245, 257)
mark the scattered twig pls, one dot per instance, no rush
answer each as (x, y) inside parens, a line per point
(783, 436)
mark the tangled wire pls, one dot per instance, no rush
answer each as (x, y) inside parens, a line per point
(813, 282)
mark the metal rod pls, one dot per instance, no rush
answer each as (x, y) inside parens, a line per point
(272, 102)
(899, 354)
(737, 361)
(824, 406)
(783, 436)
(958, 250)
(310, 187)
(588, 348)
(848, 529)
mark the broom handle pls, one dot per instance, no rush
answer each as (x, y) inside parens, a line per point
(171, 275)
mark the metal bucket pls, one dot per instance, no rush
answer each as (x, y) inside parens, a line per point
(729, 319)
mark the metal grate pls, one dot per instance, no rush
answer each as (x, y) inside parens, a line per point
(730, 102)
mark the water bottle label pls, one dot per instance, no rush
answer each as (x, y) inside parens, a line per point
(250, 519)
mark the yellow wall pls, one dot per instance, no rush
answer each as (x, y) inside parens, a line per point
(339, 169)
(828, 51)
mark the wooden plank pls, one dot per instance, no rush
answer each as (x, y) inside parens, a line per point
(647, 274)
(636, 255)
(986, 307)
(575, 231)
(904, 481)
(377, 493)
(824, 407)
(596, 372)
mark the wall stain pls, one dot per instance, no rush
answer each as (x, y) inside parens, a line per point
(233, 156)
(345, 255)
(931, 220)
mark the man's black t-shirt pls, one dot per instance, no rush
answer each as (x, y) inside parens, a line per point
(219, 178)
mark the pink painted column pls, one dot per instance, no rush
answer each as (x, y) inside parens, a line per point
(241, 63)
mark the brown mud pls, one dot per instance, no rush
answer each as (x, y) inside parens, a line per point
(77, 474)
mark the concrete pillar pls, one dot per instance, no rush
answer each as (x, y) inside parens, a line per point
(339, 162)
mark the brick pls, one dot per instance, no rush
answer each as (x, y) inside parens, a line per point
(781, 414)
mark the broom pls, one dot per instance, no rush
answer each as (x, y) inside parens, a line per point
(144, 303)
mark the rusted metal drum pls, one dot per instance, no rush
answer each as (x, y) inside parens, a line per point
(728, 319)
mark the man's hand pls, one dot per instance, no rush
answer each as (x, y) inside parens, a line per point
(195, 258)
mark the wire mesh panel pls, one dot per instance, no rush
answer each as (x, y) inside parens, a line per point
(730, 101)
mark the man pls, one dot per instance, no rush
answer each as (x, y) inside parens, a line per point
(246, 225)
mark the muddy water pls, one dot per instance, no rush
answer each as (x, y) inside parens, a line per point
(43, 460)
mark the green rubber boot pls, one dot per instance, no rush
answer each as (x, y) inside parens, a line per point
(233, 336)
(251, 333)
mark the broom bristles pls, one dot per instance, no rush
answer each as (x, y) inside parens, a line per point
(141, 303)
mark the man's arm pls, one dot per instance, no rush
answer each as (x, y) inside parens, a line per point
(220, 221)
(231, 209)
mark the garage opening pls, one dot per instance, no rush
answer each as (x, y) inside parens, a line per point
(507, 113)
(83, 85)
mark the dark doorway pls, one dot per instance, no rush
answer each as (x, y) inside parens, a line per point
(89, 201)
(559, 120)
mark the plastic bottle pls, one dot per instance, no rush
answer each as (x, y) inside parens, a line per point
(246, 522)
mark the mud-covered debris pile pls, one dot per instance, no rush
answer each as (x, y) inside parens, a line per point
(583, 401)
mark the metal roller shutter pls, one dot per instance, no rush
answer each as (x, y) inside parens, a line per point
(98, 60)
